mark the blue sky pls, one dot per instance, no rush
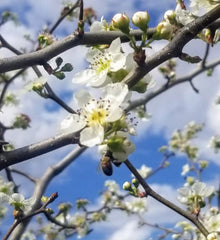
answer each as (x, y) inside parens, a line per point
(170, 111)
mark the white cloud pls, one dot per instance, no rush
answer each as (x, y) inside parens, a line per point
(130, 230)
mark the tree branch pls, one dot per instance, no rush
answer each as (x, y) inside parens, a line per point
(21, 154)
(43, 183)
(174, 48)
(164, 88)
(42, 56)
(149, 191)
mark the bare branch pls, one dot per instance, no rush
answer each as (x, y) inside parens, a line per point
(149, 191)
(21, 154)
(63, 16)
(32, 179)
(165, 87)
(174, 48)
(44, 181)
(42, 56)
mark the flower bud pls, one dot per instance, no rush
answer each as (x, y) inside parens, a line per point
(126, 186)
(121, 21)
(164, 30)
(203, 164)
(141, 19)
(37, 86)
(170, 16)
(44, 199)
(135, 182)
(49, 211)
(45, 39)
(64, 207)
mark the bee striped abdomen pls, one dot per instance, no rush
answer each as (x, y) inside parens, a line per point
(106, 165)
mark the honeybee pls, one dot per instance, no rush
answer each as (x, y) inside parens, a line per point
(106, 163)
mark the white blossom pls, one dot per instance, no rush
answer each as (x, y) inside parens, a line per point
(17, 200)
(99, 26)
(198, 189)
(112, 186)
(137, 205)
(101, 64)
(213, 223)
(185, 169)
(6, 187)
(144, 171)
(94, 115)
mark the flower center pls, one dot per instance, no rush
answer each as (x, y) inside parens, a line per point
(96, 111)
(97, 116)
(101, 62)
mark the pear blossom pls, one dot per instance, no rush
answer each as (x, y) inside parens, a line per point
(6, 187)
(37, 85)
(94, 116)
(101, 64)
(17, 200)
(112, 186)
(213, 223)
(137, 205)
(185, 169)
(144, 171)
(99, 26)
(214, 143)
(194, 193)
(170, 16)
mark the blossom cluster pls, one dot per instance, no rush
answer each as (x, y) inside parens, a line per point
(101, 119)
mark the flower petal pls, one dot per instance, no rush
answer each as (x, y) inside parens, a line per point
(92, 136)
(115, 46)
(118, 62)
(72, 123)
(116, 91)
(82, 97)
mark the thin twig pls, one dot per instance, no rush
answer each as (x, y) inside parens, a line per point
(42, 209)
(63, 16)
(149, 191)
(7, 83)
(28, 176)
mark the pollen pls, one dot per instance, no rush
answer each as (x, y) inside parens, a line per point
(97, 116)
(101, 63)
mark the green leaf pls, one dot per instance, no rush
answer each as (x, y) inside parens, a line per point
(67, 67)
(59, 61)
(60, 75)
